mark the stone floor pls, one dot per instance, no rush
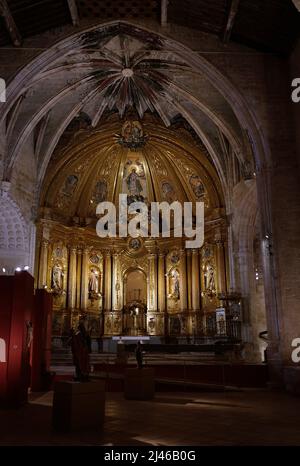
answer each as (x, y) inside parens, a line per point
(233, 418)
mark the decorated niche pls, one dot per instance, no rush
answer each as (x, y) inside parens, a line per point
(95, 279)
(113, 323)
(155, 324)
(134, 179)
(58, 274)
(173, 288)
(173, 280)
(209, 277)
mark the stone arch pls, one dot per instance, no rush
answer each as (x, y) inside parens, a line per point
(14, 234)
(246, 231)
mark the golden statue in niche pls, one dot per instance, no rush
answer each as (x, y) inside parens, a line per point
(94, 283)
(174, 285)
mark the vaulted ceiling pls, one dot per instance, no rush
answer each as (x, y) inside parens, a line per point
(267, 25)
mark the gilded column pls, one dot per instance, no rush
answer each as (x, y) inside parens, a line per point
(221, 270)
(195, 281)
(84, 279)
(78, 278)
(183, 286)
(189, 277)
(72, 278)
(116, 286)
(107, 286)
(152, 299)
(161, 283)
(43, 264)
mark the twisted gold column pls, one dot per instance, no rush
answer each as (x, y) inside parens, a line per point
(152, 284)
(195, 281)
(43, 268)
(221, 270)
(78, 278)
(107, 284)
(161, 283)
(72, 278)
(189, 277)
(84, 279)
(183, 285)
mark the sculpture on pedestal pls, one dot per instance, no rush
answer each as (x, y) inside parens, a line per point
(139, 355)
(80, 351)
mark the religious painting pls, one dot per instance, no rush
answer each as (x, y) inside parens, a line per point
(100, 192)
(175, 257)
(221, 321)
(197, 186)
(66, 192)
(132, 135)
(134, 180)
(135, 245)
(94, 258)
(151, 326)
(58, 252)
(168, 192)
(175, 326)
(108, 325)
(207, 251)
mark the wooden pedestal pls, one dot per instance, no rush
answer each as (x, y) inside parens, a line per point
(292, 379)
(139, 384)
(78, 406)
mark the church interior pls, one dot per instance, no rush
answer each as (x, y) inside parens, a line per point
(166, 102)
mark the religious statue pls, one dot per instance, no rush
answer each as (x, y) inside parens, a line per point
(210, 277)
(139, 355)
(94, 282)
(175, 291)
(80, 350)
(2, 350)
(57, 277)
(29, 336)
(133, 183)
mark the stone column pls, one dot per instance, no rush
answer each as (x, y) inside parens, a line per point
(43, 268)
(107, 283)
(183, 285)
(161, 283)
(221, 267)
(72, 278)
(152, 284)
(84, 279)
(78, 278)
(189, 277)
(195, 281)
